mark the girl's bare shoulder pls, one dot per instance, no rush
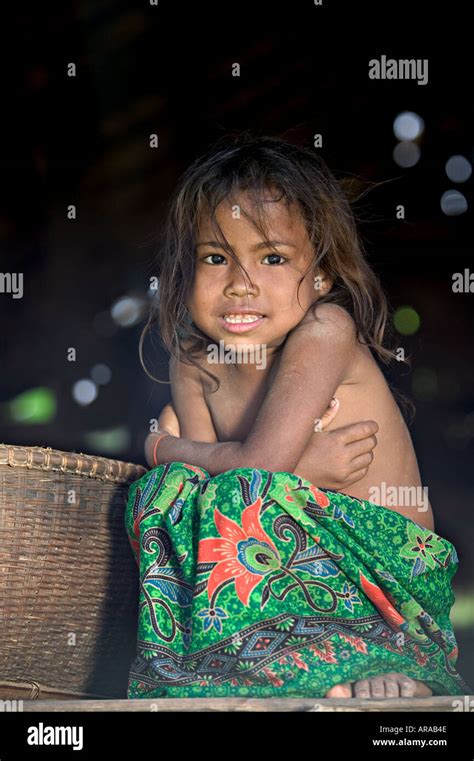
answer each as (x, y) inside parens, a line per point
(330, 319)
(195, 369)
(337, 325)
(183, 366)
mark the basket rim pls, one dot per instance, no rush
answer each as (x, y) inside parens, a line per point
(39, 690)
(48, 459)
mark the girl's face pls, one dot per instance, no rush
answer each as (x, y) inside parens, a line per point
(221, 292)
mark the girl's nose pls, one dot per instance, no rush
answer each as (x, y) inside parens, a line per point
(240, 285)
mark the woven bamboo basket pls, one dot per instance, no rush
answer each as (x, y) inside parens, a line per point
(68, 578)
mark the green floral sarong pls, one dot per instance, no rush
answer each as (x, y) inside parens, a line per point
(260, 584)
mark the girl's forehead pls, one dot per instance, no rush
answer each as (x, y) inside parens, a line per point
(273, 215)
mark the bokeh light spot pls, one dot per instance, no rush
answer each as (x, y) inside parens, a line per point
(36, 406)
(453, 203)
(406, 154)
(406, 320)
(84, 392)
(101, 374)
(408, 126)
(458, 168)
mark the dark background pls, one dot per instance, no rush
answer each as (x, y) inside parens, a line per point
(167, 70)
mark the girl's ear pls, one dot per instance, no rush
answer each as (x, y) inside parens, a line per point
(328, 284)
(322, 283)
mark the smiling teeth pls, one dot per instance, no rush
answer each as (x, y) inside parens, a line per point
(236, 318)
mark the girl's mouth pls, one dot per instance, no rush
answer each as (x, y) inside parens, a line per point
(240, 323)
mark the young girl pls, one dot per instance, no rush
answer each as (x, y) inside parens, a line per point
(261, 251)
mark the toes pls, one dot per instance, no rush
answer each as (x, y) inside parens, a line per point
(391, 687)
(410, 688)
(340, 691)
(362, 688)
(422, 690)
(407, 686)
(377, 687)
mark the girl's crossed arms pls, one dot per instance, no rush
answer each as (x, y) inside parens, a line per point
(317, 359)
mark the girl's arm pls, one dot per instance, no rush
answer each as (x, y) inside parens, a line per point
(195, 421)
(315, 361)
(189, 417)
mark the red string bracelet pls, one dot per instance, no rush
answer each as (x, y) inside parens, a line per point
(156, 444)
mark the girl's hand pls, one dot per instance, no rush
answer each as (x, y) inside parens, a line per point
(329, 415)
(336, 459)
(168, 420)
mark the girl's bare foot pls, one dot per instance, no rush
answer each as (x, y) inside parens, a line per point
(390, 685)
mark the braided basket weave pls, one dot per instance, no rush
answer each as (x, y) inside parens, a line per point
(68, 579)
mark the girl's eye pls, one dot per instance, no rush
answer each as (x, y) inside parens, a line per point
(213, 256)
(222, 259)
(277, 256)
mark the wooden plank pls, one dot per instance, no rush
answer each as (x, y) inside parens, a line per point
(433, 703)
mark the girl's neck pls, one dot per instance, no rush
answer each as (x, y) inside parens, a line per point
(264, 365)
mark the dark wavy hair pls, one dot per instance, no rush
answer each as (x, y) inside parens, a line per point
(244, 162)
